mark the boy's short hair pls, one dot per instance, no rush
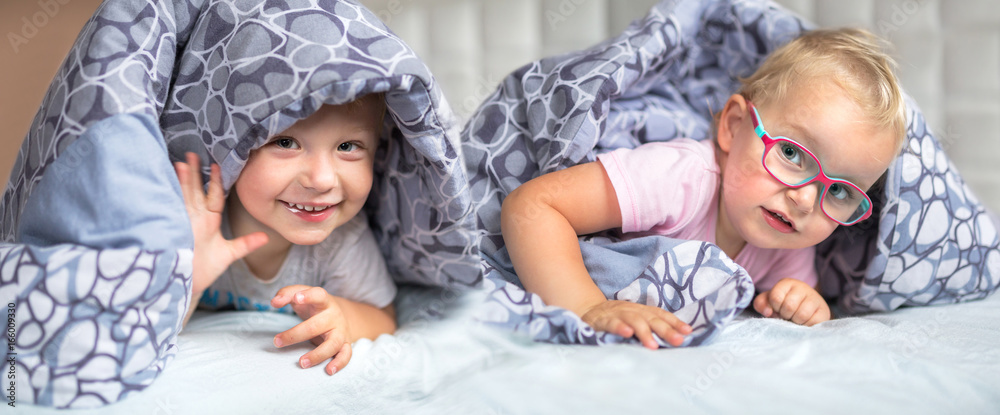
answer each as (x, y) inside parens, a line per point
(378, 105)
(854, 58)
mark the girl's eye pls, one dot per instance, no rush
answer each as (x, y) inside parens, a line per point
(791, 153)
(285, 142)
(347, 147)
(840, 191)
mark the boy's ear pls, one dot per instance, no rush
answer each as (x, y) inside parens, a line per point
(733, 113)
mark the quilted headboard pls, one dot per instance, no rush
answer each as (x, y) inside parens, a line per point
(948, 55)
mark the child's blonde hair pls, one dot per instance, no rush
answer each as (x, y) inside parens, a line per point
(855, 59)
(377, 99)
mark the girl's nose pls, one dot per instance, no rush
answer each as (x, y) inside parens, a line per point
(319, 173)
(804, 198)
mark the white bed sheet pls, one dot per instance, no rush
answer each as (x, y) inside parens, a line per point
(930, 360)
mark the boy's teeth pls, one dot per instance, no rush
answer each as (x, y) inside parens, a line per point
(308, 208)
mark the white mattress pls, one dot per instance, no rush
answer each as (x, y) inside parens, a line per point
(932, 360)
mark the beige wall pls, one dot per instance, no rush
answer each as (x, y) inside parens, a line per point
(49, 28)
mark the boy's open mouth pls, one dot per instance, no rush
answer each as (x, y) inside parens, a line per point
(306, 208)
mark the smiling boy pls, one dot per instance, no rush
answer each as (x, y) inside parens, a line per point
(290, 233)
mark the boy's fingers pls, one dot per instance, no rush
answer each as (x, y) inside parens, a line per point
(284, 295)
(340, 360)
(247, 243)
(323, 351)
(194, 174)
(304, 331)
(290, 289)
(216, 197)
(312, 295)
(194, 189)
(182, 175)
(192, 158)
(278, 301)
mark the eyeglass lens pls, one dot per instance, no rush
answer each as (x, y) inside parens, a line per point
(793, 165)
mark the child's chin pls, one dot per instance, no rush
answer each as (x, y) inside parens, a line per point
(786, 242)
(789, 243)
(310, 238)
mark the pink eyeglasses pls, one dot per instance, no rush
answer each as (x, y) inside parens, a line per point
(795, 166)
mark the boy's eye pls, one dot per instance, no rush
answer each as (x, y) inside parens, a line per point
(347, 147)
(285, 142)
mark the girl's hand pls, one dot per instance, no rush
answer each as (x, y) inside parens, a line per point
(212, 252)
(324, 324)
(794, 301)
(629, 319)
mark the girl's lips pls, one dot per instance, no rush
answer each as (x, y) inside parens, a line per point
(776, 222)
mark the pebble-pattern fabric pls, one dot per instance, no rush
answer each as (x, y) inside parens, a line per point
(694, 280)
(218, 77)
(934, 243)
(92, 324)
(252, 68)
(930, 241)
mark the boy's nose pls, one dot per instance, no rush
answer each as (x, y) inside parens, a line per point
(804, 198)
(319, 174)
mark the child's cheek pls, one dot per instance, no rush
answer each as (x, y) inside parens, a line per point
(744, 173)
(820, 229)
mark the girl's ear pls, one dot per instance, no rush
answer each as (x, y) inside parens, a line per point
(733, 113)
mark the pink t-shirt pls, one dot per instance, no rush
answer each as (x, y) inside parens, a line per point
(672, 188)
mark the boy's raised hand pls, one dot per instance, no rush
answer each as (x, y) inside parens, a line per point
(793, 300)
(629, 319)
(213, 253)
(323, 323)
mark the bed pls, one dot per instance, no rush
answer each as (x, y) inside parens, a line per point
(446, 358)
(928, 360)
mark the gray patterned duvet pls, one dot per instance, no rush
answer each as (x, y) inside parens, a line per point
(96, 249)
(662, 79)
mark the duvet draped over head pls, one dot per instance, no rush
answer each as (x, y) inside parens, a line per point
(930, 241)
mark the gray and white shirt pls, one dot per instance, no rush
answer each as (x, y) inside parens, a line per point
(347, 264)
